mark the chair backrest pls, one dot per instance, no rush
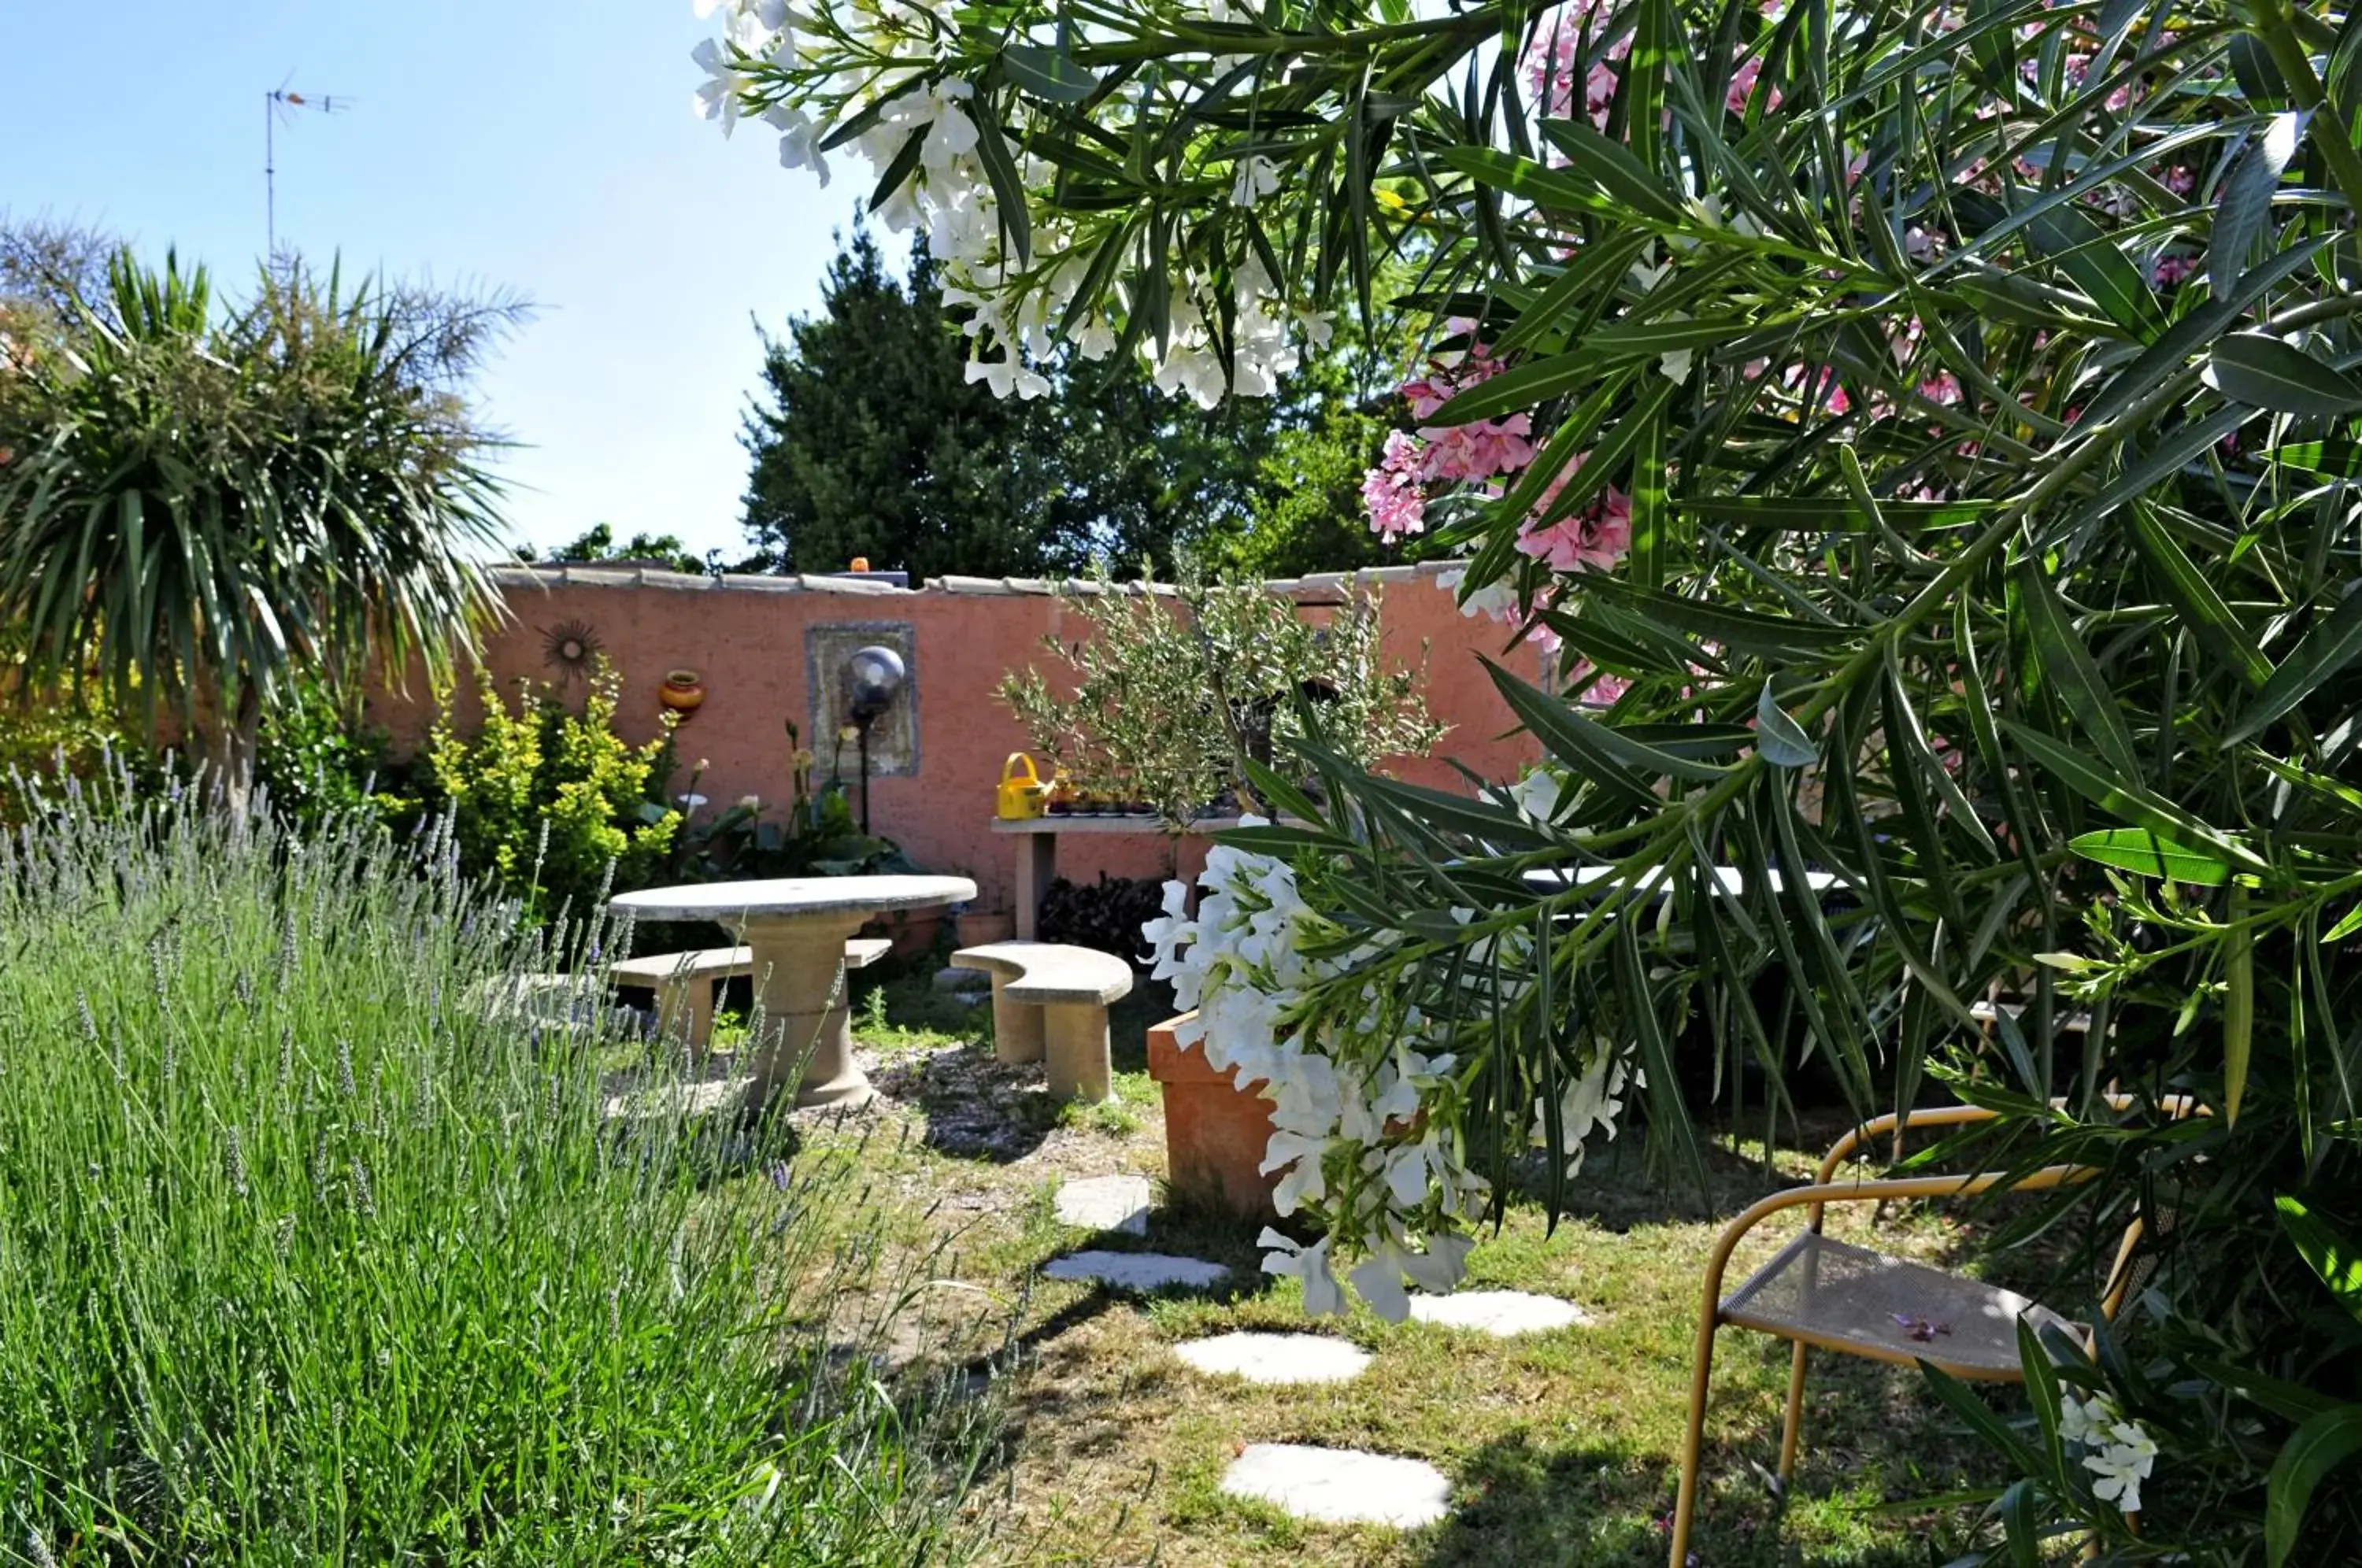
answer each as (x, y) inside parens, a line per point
(2128, 1274)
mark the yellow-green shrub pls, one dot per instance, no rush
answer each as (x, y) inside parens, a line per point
(544, 800)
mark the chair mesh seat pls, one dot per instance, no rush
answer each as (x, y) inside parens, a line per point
(1835, 1296)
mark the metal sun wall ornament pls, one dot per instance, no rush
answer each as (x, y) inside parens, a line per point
(571, 649)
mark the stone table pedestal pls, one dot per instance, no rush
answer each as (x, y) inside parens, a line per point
(805, 1013)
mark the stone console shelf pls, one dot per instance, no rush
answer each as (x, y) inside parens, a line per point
(796, 927)
(1037, 850)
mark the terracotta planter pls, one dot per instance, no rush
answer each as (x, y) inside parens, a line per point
(1215, 1129)
(912, 932)
(977, 930)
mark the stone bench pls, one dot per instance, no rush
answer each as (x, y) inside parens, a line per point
(1050, 1001)
(685, 982)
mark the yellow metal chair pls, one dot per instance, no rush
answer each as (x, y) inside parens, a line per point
(1818, 1292)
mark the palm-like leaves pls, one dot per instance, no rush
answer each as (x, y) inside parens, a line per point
(207, 510)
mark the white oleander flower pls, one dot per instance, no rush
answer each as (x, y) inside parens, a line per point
(1167, 931)
(1006, 375)
(1646, 276)
(1409, 1168)
(1323, 1297)
(1675, 364)
(1496, 601)
(2122, 1465)
(717, 96)
(1305, 1182)
(799, 140)
(953, 135)
(1593, 1102)
(1379, 1280)
(1443, 1265)
(1095, 336)
(1539, 795)
(1308, 1101)
(2086, 1421)
(1256, 178)
(1342, 1090)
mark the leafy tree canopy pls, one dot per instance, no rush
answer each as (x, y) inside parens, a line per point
(597, 543)
(869, 440)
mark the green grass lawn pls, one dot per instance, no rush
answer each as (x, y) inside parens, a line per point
(1562, 1447)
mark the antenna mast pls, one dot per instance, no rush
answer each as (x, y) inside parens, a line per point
(277, 102)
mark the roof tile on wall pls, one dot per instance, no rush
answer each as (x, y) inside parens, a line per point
(578, 574)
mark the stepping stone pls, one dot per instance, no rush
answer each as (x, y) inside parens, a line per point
(1106, 1203)
(1504, 1314)
(1137, 1270)
(1276, 1358)
(1340, 1485)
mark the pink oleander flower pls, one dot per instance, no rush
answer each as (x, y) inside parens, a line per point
(1594, 539)
(1742, 87)
(1552, 62)
(1391, 492)
(1821, 384)
(1599, 87)
(2172, 270)
(1605, 690)
(1446, 380)
(1479, 450)
(1943, 387)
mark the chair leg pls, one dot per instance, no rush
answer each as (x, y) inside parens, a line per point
(1693, 1446)
(701, 1013)
(1795, 1419)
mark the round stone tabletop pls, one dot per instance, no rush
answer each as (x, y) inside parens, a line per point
(787, 897)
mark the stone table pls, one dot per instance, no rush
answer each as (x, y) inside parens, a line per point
(796, 927)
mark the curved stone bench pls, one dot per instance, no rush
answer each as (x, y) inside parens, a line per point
(1050, 1002)
(685, 982)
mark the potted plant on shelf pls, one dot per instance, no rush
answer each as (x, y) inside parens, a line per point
(1175, 689)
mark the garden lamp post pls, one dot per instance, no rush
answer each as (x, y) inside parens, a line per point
(874, 678)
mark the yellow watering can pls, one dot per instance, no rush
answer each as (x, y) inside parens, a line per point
(1022, 793)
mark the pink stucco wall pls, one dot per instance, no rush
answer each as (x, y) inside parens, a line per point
(746, 635)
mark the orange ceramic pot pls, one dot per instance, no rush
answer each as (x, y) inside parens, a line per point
(1216, 1128)
(682, 691)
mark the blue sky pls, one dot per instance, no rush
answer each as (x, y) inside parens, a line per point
(545, 148)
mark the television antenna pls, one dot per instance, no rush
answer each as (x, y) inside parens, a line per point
(278, 103)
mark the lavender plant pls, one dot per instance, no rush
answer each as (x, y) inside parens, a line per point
(308, 1255)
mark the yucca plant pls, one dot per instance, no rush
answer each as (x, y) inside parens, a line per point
(1943, 419)
(203, 508)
